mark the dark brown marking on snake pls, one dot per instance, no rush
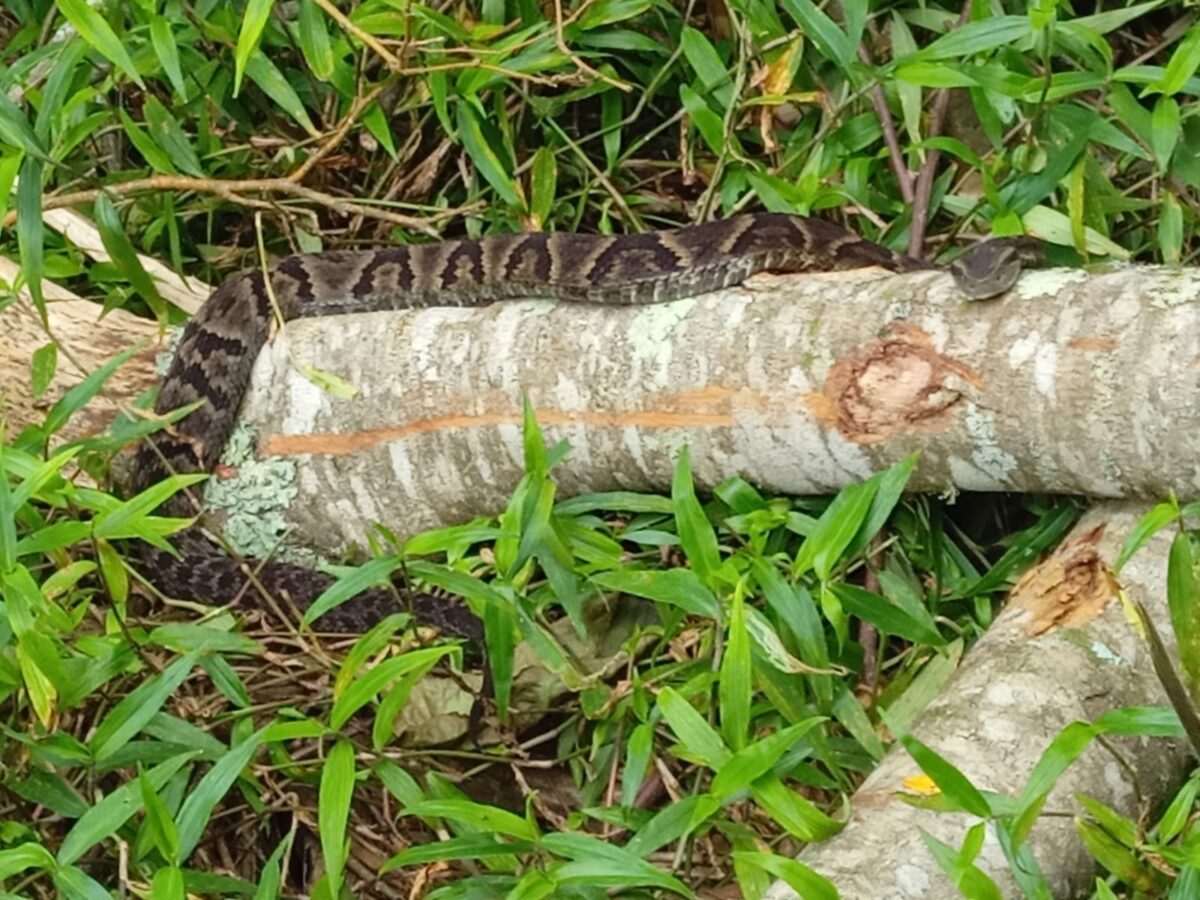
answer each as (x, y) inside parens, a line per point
(529, 259)
(219, 345)
(635, 257)
(463, 267)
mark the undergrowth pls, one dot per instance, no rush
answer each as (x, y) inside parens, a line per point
(774, 645)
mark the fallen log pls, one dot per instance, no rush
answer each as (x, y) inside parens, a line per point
(1072, 383)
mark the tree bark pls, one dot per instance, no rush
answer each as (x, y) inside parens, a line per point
(1062, 650)
(1071, 383)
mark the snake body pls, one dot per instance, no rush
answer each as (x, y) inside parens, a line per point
(219, 345)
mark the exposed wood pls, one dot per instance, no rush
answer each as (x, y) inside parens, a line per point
(87, 340)
(86, 337)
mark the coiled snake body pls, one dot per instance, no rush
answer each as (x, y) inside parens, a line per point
(219, 346)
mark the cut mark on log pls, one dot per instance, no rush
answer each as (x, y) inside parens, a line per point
(1070, 587)
(892, 386)
(329, 444)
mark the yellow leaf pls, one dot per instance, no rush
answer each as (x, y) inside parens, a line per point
(921, 784)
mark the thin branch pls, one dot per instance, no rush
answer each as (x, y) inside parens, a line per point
(368, 40)
(904, 177)
(339, 134)
(232, 190)
(924, 188)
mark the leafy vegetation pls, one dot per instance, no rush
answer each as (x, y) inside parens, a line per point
(176, 753)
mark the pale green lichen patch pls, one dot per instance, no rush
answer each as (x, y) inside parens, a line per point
(163, 359)
(1174, 287)
(252, 497)
(1036, 283)
(986, 452)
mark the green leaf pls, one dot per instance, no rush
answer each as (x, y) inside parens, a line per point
(696, 533)
(367, 684)
(792, 811)
(158, 159)
(112, 569)
(794, 607)
(616, 501)
(314, 40)
(935, 75)
(734, 689)
(678, 587)
(977, 37)
(482, 148)
(24, 856)
(848, 710)
(9, 166)
(800, 878)
(167, 52)
(138, 707)
(209, 791)
(1048, 531)
(842, 519)
(754, 760)
(376, 121)
(167, 133)
(75, 884)
(158, 822)
(124, 257)
(375, 572)
(168, 884)
(890, 485)
(333, 811)
(16, 131)
(1183, 599)
(54, 97)
(271, 878)
(1164, 131)
(960, 868)
(953, 784)
(267, 76)
(466, 847)
(707, 122)
(833, 43)
(673, 822)
(612, 109)
(476, 815)
(100, 36)
(600, 864)
(129, 519)
(1182, 65)
(639, 750)
(42, 367)
(708, 65)
(29, 229)
(698, 738)
(1158, 518)
(543, 182)
(254, 20)
(36, 664)
(115, 810)
(1118, 860)
(887, 616)
(1170, 230)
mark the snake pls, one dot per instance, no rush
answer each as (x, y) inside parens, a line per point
(213, 360)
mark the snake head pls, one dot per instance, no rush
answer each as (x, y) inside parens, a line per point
(993, 266)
